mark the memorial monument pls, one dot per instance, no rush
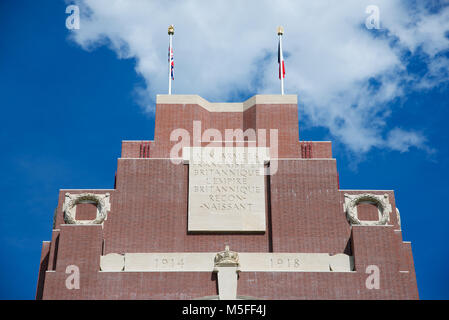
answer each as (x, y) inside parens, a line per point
(226, 203)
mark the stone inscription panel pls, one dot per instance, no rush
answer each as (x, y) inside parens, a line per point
(248, 262)
(226, 195)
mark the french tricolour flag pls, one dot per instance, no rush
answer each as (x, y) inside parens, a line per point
(281, 61)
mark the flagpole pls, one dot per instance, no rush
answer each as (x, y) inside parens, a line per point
(171, 31)
(281, 61)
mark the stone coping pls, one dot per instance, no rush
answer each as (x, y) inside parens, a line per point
(274, 159)
(227, 107)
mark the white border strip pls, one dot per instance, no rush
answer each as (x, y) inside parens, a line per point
(226, 107)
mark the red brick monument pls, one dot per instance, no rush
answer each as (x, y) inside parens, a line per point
(267, 222)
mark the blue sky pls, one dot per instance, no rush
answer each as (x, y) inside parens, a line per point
(68, 99)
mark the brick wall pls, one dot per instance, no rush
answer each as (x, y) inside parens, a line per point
(304, 213)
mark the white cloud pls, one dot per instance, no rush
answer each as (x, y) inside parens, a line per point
(226, 47)
(401, 140)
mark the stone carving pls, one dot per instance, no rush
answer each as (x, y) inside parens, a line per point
(55, 213)
(226, 258)
(100, 200)
(398, 216)
(226, 189)
(381, 201)
(226, 264)
(247, 262)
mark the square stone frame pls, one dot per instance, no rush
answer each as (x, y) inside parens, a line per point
(231, 222)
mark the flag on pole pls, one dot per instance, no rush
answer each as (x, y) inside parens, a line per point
(172, 63)
(281, 61)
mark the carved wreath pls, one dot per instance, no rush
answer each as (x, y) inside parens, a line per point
(398, 216)
(381, 201)
(100, 200)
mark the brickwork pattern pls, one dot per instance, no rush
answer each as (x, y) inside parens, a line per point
(304, 213)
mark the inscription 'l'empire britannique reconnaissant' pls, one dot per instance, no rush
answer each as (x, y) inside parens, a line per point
(252, 213)
(227, 193)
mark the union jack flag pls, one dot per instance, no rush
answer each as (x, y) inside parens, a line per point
(172, 63)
